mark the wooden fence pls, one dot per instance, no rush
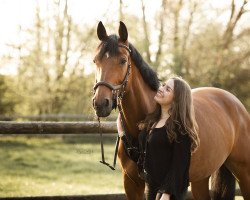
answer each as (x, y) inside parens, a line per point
(85, 197)
(54, 117)
(56, 127)
(65, 128)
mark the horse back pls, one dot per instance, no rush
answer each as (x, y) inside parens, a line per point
(223, 105)
(220, 117)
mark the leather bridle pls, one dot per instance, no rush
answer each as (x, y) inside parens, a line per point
(118, 92)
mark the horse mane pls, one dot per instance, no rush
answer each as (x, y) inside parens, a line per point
(110, 45)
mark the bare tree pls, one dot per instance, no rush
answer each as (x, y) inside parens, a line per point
(232, 22)
(176, 42)
(186, 37)
(146, 36)
(161, 34)
(121, 16)
(223, 60)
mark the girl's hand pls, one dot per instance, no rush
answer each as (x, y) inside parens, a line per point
(119, 126)
(165, 196)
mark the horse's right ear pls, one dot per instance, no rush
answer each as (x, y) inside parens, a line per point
(101, 32)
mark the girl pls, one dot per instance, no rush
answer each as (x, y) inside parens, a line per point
(168, 137)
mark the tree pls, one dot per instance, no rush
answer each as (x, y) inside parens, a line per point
(206, 53)
(47, 74)
(7, 103)
(179, 40)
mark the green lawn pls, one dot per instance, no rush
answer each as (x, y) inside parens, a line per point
(59, 165)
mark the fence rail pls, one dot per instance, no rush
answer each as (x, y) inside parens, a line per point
(56, 127)
(76, 197)
(54, 117)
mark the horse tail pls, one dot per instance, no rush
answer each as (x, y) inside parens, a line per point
(223, 184)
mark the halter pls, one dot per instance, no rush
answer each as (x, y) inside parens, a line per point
(118, 93)
(117, 90)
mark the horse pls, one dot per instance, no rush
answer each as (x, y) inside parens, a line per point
(223, 121)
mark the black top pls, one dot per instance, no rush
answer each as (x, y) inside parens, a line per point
(165, 164)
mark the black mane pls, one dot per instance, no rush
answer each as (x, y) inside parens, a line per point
(148, 74)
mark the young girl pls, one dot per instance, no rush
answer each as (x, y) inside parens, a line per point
(169, 136)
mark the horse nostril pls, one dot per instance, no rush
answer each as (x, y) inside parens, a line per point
(106, 102)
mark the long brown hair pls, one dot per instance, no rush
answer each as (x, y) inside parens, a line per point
(182, 116)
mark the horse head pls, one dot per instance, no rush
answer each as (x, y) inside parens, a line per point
(113, 64)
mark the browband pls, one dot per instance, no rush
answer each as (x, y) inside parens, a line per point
(125, 46)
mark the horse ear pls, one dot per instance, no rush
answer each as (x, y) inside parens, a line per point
(101, 31)
(123, 33)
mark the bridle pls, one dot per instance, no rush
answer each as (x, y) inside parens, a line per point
(118, 92)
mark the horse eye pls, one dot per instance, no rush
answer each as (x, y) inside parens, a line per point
(123, 61)
(94, 61)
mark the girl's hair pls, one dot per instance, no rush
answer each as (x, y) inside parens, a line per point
(182, 116)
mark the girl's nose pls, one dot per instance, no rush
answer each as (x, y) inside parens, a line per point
(160, 88)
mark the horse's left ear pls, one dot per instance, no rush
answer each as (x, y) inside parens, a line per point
(123, 33)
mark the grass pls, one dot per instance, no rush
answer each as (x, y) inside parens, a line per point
(68, 165)
(60, 165)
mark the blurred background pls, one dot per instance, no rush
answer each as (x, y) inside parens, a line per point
(47, 48)
(47, 73)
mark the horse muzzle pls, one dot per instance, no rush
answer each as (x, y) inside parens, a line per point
(103, 108)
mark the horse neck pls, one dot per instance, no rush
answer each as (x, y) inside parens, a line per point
(138, 101)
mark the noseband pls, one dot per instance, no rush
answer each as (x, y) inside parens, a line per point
(118, 93)
(117, 90)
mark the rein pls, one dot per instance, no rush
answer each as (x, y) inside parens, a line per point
(118, 92)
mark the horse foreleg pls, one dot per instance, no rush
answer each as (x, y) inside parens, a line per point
(200, 189)
(133, 184)
(134, 188)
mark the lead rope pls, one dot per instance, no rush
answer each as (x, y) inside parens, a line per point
(118, 99)
(116, 150)
(102, 149)
(117, 139)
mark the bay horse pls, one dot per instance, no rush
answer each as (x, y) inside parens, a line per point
(224, 123)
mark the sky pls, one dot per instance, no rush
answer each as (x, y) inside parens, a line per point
(21, 12)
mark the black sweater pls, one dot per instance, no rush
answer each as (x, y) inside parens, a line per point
(165, 164)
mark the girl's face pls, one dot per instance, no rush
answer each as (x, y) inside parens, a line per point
(165, 93)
